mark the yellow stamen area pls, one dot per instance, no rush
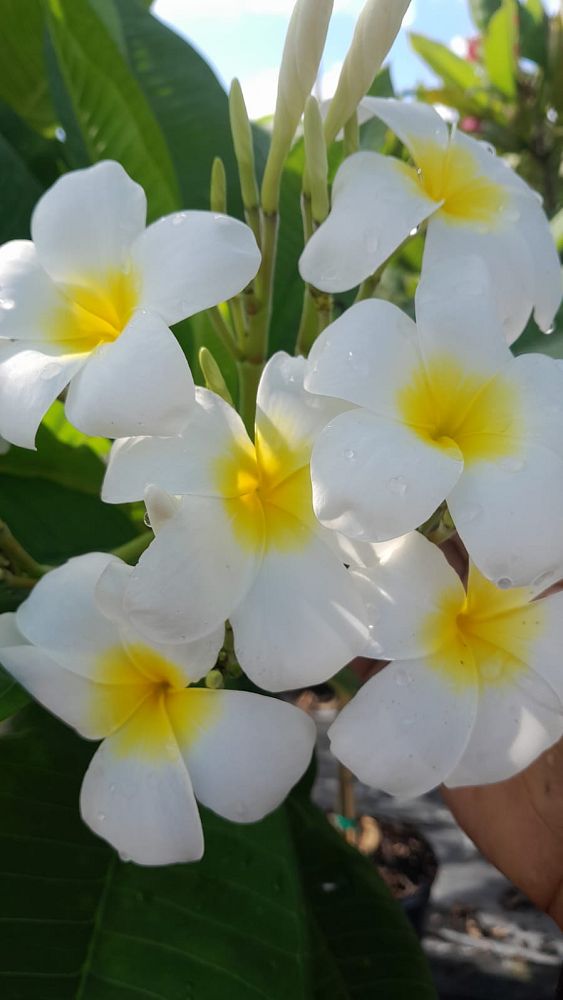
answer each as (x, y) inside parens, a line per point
(488, 636)
(142, 697)
(267, 493)
(462, 412)
(454, 177)
(94, 312)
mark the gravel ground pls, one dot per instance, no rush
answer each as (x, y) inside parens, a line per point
(484, 940)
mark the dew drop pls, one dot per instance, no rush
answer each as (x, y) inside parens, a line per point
(403, 678)
(147, 520)
(543, 580)
(7, 304)
(179, 218)
(489, 148)
(413, 231)
(504, 582)
(124, 857)
(512, 464)
(51, 371)
(398, 485)
(350, 454)
(101, 817)
(468, 513)
(550, 330)
(327, 278)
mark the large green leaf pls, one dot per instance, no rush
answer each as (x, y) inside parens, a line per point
(23, 83)
(447, 65)
(187, 100)
(107, 104)
(277, 909)
(20, 191)
(500, 48)
(79, 923)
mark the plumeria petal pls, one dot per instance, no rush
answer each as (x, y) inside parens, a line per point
(188, 463)
(190, 261)
(93, 709)
(546, 266)
(515, 723)
(247, 759)
(29, 299)
(405, 587)
(364, 355)
(193, 574)
(374, 478)
(30, 380)
(84, 225)
(406, 728)
(376, 203)
(506, 258)
(137, 793)
(140, 383)
(303, 619)
(287, 417)
(413, 122)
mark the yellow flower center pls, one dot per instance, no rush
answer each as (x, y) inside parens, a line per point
(492, 631)
(267, 492)
(454, 177)
(143, 698)
(95, 312)
(461, 412)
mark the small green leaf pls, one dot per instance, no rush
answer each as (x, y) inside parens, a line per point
(500, 45)
(108, 106)
(447, 65)
(482, 11)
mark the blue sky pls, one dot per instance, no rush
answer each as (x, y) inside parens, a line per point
(244, 38)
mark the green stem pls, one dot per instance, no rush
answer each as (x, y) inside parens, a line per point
(131, 551)
(249, 373)
(307, 216)
(238, 318)
(223, 332)
(315, 317)
(19, 559)
(256, 348)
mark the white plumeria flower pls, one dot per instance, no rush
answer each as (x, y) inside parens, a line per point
(164, 742)
(475, 691)
(92, 297)
(239, 538)
(474, 204)
(443, 411)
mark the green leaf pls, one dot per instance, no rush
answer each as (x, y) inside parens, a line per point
(500, 45)
(79, 923)
(23, 83)
(482, 11)
(108, 107)
(365, 946)
(63, 455)
(534, 341)
(533, 31)
(556, 226)
(20, 191)
(186, 99)
(447, 65)
(12, 696)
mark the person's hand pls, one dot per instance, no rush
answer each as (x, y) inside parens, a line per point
(518, 826)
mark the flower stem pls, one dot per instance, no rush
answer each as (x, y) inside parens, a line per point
(249, 373)
(223, 332)
(18, 558)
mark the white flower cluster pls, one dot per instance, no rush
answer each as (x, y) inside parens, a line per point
(302, 538)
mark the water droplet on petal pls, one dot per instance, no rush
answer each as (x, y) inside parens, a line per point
(147, 520)
(398, 485)
(489, 148)
(504, 582)
(468, 513)
(101, 817)
(403, 678)
(179, 217)
(124, 857)
(350, 454)
(512, 464)
(51, 371)
(543, 580)
(550, 330)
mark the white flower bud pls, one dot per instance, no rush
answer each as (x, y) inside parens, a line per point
(376, 30)
(301, 58)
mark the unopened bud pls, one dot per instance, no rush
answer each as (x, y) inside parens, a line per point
(244, 150)
(218, 191)
(315, 178)
(376, 30)
(304, 44)
(212, 374)
(214, 680)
